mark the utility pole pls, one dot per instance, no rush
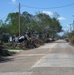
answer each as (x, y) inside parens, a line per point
(70, 27)
(19, 20)
(73, 25)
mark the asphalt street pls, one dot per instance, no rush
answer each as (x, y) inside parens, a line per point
(51, 59)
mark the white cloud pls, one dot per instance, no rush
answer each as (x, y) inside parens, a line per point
(52, 14)
(61, 18)
(13, 1)
(48, 13)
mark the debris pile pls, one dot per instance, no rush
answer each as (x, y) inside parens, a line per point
(3, 51)
(30, 43)
(26, 43)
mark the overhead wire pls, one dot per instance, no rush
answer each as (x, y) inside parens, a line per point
(50, 7)
(42, 8)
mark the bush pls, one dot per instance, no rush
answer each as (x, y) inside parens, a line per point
(4, 37)
(67, 39)
(72, 40)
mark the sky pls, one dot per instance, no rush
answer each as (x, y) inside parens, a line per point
(66, 13)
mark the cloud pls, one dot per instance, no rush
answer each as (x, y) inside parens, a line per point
(13, 1)
(61, 18)
(52, 14)
(48, 13)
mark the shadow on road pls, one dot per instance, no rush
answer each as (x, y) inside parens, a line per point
(3, 60)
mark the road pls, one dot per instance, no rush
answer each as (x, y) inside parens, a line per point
(51, 59)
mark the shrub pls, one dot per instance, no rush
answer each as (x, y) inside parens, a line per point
(72, 40)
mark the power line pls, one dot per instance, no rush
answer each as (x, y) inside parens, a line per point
(49, 7)
(10, 11)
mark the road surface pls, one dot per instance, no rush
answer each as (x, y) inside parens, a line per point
(51, 59)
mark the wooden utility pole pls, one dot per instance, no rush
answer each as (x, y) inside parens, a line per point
(19, 20)
(70, 27)
(73, 25)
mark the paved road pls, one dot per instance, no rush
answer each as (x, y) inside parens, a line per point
(51, 59)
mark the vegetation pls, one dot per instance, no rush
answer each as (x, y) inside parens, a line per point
(69, 36)
(4, 52)
(40, 26)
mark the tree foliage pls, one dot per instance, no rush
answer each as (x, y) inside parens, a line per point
(12, 20)
(40, 23)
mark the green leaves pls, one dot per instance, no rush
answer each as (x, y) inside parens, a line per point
(40, 23)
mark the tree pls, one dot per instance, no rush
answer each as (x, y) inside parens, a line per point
(12, 20)
(1, 23)
(48, 26)
(26, 19)
(40, 23)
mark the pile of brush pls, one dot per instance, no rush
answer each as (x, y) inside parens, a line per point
(30, 43)
(4, 52)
